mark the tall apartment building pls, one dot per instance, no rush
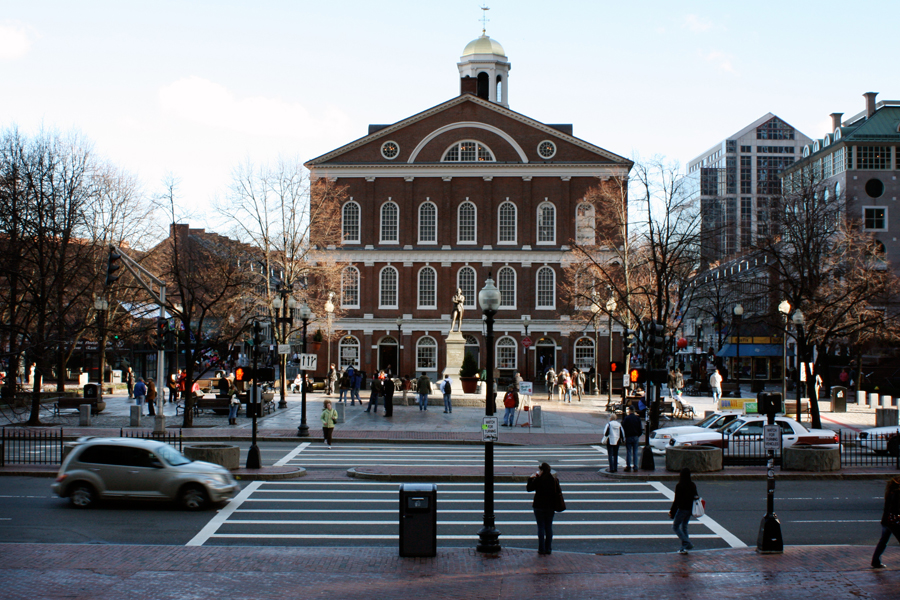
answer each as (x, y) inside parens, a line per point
(443, 199)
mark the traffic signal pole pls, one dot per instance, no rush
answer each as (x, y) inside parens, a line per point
(254, 460)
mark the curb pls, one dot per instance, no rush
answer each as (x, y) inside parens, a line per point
(360, 473)
(268, 473)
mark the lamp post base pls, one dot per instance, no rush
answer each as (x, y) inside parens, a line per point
(303, 431)
(488, 540)
(282, 404)
(253, 457)
(647, 462)
(769, 540)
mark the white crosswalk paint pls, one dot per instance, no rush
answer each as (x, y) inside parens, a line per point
(726, 535)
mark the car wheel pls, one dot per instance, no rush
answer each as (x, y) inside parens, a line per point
(82, 495)
(194, 497)
(893, 448)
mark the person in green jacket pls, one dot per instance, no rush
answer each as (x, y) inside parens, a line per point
(329, 418)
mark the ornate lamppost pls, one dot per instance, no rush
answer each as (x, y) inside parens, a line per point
(303, 429)
(610, 307)
(738, 313)
(798, 320)
(329, 315)
(489, 537)
(399, 345)
(784, 307)
(526, 321)
(285, 303)
(595, 310)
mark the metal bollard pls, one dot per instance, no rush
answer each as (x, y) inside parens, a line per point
(159, 424)
(341, 408)
(536, 418)
(135, 416)
(84, 415)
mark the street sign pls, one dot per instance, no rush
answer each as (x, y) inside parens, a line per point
(526, 341)
(490, 429)
(308, 362)
(772, 437)
(526, 388)
(284, 348)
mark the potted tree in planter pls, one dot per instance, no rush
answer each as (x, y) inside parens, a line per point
(468, 374)
(317, 340)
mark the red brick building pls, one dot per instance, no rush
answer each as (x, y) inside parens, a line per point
(446, 197)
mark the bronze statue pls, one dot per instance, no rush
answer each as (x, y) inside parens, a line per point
(457, 315)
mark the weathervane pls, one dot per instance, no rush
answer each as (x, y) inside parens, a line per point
(484, 19)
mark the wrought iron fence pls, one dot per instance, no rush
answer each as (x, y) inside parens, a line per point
(746, 450)
(863, 450)
(47, 447)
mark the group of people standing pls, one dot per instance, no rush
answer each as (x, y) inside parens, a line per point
(565, 383)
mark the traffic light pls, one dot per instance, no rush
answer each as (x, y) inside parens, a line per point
(630, 341)
(257, 334)
(615, 367)
(162, 328)
(112, 266)
(656, 341)
(637, 375)
(241, 374)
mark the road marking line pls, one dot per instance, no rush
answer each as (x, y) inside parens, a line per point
(290, 455)
(528, 523)
(315, 536)
(475, 499)
(730, 539)
(838, 521)
(476, 485)
(210, 528)
(448, 492)
(440, 511)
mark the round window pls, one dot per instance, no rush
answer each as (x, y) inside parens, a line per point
(874, 188)
(546, 149)
(390, 150)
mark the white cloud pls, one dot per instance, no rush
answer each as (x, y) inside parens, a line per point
(206, 102)
(15, 40)
(720, 59)
(697, 24)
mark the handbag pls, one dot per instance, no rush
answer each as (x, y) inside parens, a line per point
(560, 504)
(699, 507)
(605, 438)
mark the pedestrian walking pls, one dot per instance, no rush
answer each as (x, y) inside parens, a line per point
(140, 391)
(632, 428)
(568, 385)
(423, 388)
(151, 398)
(172, 384)
(682, 505)
(890, 520)
(510, 403)
(234, 405)
(344, 385)
(129, 381)
(579, 383)
(670, 383)
(388, 395)
(406, 386)
(561, 385)
(377, 390)
(447, 389)
(329, 418)
(715, 384)
(331, 380)
(550, 378)
(546, 491)
(612, 435)
(679, 384)
(355, 384)
(482, 377)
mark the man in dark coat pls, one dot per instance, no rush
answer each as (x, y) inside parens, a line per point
(633, 430)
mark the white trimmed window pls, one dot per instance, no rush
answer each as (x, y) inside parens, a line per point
(467, 224)
(427, 223)
(350, 222)
(348, 352)
(506, 225)
(427, 288)
(546, 223)
(506, 282)
(390, 217)
(426, 354)
(465, 280)
(585, 224)
(468, 151)
(584, 353)
(387, 289)
(506, 353)
(546, 288)
(350, 287)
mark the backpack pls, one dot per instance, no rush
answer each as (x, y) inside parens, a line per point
(447, 388)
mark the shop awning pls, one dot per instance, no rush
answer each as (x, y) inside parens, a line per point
(747, 350)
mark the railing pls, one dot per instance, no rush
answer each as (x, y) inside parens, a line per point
(863, 450)
(746, 450)
(173, 439)
(47, 447)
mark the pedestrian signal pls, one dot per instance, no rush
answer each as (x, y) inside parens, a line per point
(239, 374)
(637, 375)
(615, 367)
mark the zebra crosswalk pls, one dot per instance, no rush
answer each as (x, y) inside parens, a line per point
(601, 516)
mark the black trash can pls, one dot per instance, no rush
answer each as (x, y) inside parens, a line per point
(418, 519)
(838, 399)
(91, 391)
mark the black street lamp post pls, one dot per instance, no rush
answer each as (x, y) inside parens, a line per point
(489, 537)
(102, 306)
(286, 303)
(610, 308)
(798, 323)
(784, 307)
(526, 321)
(303, 429)
(738, 314)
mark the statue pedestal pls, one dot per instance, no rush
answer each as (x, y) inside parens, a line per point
(456, 351)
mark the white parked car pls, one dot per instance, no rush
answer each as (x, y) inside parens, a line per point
(659, 439)
(749, 429)
(881, 440)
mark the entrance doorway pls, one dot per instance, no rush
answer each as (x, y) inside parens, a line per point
(387, 355)
(544, 356)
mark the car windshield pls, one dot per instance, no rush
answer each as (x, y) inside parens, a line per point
(172, 456)
(709, 421)
(733, 426)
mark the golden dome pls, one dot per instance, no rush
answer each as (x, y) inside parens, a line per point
(484, 45)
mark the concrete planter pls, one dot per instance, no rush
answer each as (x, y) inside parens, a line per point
(811, 458)
(220, 454)
(699, 459)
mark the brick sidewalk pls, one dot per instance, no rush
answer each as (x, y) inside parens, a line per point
(113, 572)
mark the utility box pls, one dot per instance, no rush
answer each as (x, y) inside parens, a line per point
(91, 391)
(839, 399)
(887, 417)
(418, 519)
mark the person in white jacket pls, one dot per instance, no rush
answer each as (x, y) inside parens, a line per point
(613, 435)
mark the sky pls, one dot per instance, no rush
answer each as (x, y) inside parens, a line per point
(193, 89)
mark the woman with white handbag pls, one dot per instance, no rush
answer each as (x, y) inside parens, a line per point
(612, 435)
(686, 497)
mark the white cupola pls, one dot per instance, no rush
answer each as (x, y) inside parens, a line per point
(485, 61)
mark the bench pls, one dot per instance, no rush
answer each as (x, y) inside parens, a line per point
(790, 407)
(729, 388)
(69, 403)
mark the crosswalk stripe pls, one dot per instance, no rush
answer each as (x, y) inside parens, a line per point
(450, 492)
(556, 523)
(394, 501)
(326, 536)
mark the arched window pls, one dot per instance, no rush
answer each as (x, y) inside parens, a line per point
(350, 222)
(546, 223)
(467, 224)
(348, 351)
(506, 353)
(585, 224)
(350, 287)
(465, 280)
(428, 223)
(584, 353)
(546, 288)
(499, 89)
(468, 151)
(390, 216)
(427, 288)
(426, 354)
(506, 282)
(506, 225)
(387, 290)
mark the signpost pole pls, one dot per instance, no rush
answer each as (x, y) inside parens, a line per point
(769, 540)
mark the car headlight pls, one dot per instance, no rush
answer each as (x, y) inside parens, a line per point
(219, 479)
(664, 436)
